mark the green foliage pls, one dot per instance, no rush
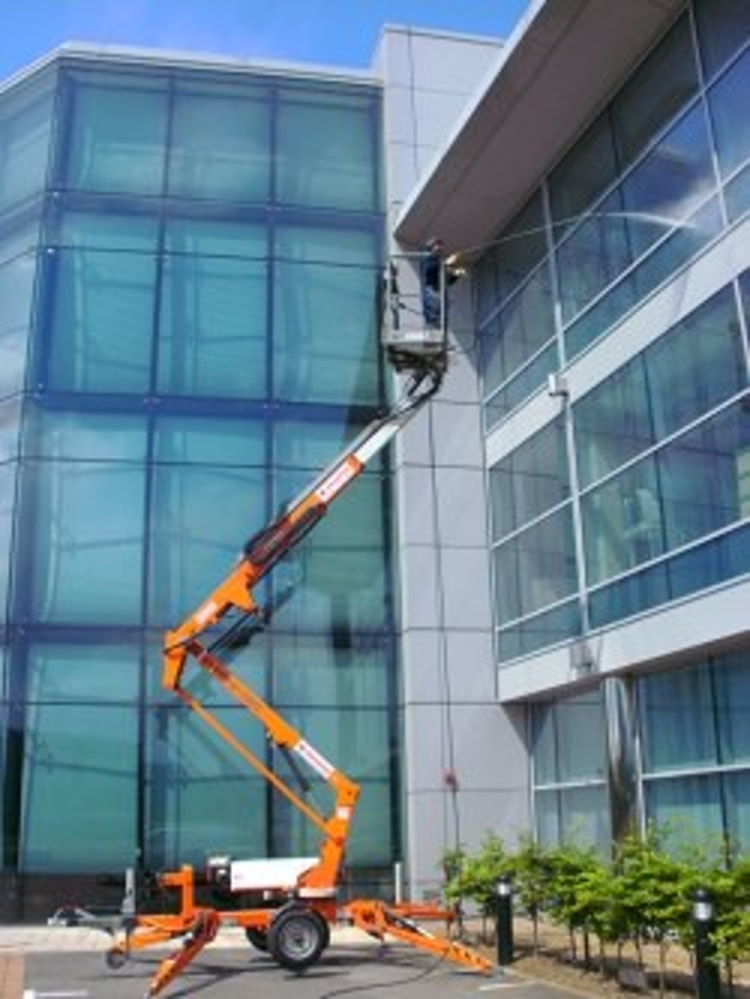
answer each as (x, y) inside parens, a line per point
(644, 894)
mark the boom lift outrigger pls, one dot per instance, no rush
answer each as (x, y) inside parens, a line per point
(293, 900)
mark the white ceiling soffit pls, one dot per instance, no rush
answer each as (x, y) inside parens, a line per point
(554, 74)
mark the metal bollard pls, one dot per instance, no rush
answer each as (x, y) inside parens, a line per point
(707, 978)
(504, 922)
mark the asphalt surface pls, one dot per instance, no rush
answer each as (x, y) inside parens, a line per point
(244, 973)
(69, 964)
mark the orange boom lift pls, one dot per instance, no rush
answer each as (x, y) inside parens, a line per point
(293, 901)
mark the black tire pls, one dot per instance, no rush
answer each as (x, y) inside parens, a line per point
(297, 937)
(258, 937)
(115, 958)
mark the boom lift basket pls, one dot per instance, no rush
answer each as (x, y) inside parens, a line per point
(407, 339)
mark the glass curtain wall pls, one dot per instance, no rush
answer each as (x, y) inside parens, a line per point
(648, 483)
(204, 342)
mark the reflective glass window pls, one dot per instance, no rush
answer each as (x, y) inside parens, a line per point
(536, 632)
(632, 595)
(669, 183)
(213, 324)
(569, 738)
(697, 364)
(736, 787)
(8, 473)
(527, 381)
(723, 27)
(677, 719)
(346, 670)
(623, 522)
(530, 480)
(727, 100)
(114, 127)
(339, 574)
(77, 674)
(536, 567)
(25, 129)
(612, 422)
(662, 84)
(199, 791)
(87, 540)
(521, 246)
(583, 174)
(10, 429)
(205, 440)
(326, 151)
(91, 436)
(704, 477)
(731, 687)
(220, 145)
(79, 788)
(525, 324)
(737, 194)
(200, 516)
(690, 807)
(325, 316)
(17, 276)
(100, 286)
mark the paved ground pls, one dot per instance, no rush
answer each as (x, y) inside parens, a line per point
(61, 963)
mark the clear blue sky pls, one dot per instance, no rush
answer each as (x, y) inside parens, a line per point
(334, 32)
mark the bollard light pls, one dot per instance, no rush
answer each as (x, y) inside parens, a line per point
(707, 979)
(504, 922)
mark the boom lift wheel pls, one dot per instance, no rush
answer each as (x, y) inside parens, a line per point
(115, 958)
(257, 937)
(297, 937)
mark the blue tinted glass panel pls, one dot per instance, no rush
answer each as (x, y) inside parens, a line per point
(114, 128)
(92, 436)
(704, 477)
(530, 480)
(83, 673)
(537, 632)
(731, 677)
(737, 803)
(10, 429)
(79, 788)
(325, 334)
(584, 173)
(660, 87)
(87, 540)
(696, 365)
(723, 28)
(677, 720)
(519, 388)
(213, 325)
(629, 596)
(100, 288)
(322, 671)
(690, 807)
(17, 276)
(25, 129)
(737, 194)
(670, 183)
(728, 103)
(220, 146)
(536, 567)
(711, 563)
(525, 324)
(199, 519)
(8, 473)
(206, 441)
(326, 152)
(623, 522)
(199, 792)
(612, 423)
(338, 575)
